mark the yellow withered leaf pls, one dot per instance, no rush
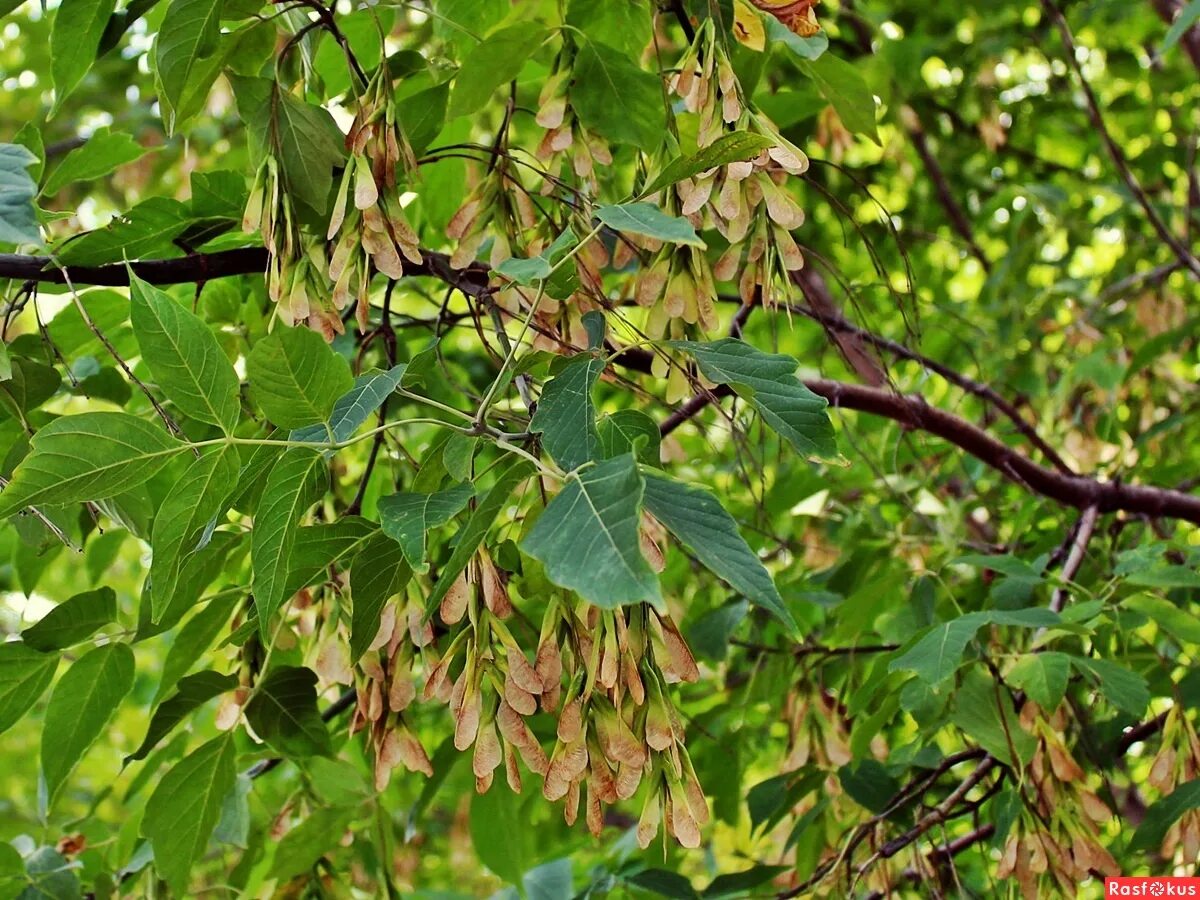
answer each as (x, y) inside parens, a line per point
(748, 26)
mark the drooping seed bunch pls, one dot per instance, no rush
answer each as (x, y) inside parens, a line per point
(297, 261)
(566, 139)
(368, 221)
(1052, 843)
(499, 207)
(1178, 762)
(746, 202)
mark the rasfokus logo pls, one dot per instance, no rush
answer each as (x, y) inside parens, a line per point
(1152, 887)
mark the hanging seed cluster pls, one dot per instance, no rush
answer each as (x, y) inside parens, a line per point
(1051, 843)
(603, 675)
(297, 260)
(368, 222)
(744, 201)
(1177, 763)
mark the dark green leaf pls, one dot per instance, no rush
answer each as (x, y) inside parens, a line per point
(587, 538)
(193, 692)
(283, 712)
(24, 676)
(194, 502)
(295, 484)
(699, 521)
(768, 382)
(305, 844)
(377, 574)
(1043, 676)
(741, 884)
(1161, 815)
(985, 712)
(91, 456)
(194, 638)
(566, 413)
(406, 518)
(842, 85)
(869, 784)
(184, 809)
(184, 357)
(353, 408)
(187, 57)
(734, 147)
(629, 431)
(147, 230)
(648, 220)
(1125, 690)
(500, 833)
(73, 621)
(617, 98)
(477, 526)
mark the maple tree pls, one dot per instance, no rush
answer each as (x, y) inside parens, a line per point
(697, 448)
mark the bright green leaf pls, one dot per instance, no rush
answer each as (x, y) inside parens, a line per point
(91, 456)
(353, 408)
(184, 357)
(377, 574)
(192, 693)
(104, 152)
(74, 38)
(733, 147)
(296, 377)
(1043, 677)
(80, 707)
(25, 674)
(186, 56)
(492, 63)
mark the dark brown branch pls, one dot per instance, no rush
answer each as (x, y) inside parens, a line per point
(1169, 10)
(1178, 247)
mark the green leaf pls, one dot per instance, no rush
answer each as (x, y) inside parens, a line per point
(283, 712)
(630, 431)
(353, 408)
(184, 357)
(295, 484)
(541, 267)
(493, 62)
(183, 810)
(18, 220)
(587, 538)
(742, 884)
(617, 98)
(648, 220)
(624, 25)
(1164, 813)
(49, 876)
(308, 147)
(377, 574)
(987, 716)
(663, 882)
(193, 692)
(869, 784)
(25, 674)
(147, 230)
(477, 526)
(1180, 624)
(769, 383)
(1125, 690)
(1043, 676)
(406, 518)
(73, 620)
(91, 456)
(296, 377)
(186, 57)
(302, 847)
(566, 414)
(840, 83)
(501, 834)
(1186, 18)
(104, 152)
(320, 547)
(194, 502)
(734, 147)
(709, 635)
(938, 654)
(233, 827)
(80, 707)
(804, 47)
(74, 37)
(29, 385)
(698, 520)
